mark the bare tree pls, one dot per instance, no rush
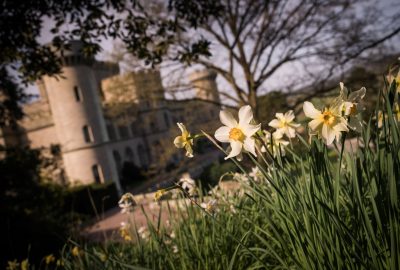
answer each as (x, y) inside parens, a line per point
(252, 41)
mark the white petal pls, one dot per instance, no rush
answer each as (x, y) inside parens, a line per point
(290, 132)
(245, 115)
(236, 149)
(227, 119)
(310, 111)
(275, 123)
(277, 135)
(342, 126)
(289, 116)
(181, 127)
(279, 116)
(249, 145)
(222, 134)
(314, 124)
(250, 130)
(328, 134)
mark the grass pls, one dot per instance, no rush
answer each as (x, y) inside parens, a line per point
(327, 208)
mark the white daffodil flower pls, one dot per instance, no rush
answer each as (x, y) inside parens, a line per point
(143, 232)
(184, 141)
(284, 124)
(329, 124)
(274, 143)
(396, 78)
(256, 174)
(380, 119)
(351, 106)
(210, 206)
(188, 184)
(238, 134)
(127, 203)
(240, 177)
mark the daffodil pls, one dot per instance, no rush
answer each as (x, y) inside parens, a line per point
(275, 143)
(329, 123)
(159, 194)
(143, 232)
(76, 252)
(188, 184)
(49, 259)
(210, 206)
(396, 112)
(127, 203)
(380, 119)
(256, 174)
(185, 140)
(12, 265)
(238, 134)
(351, 106)
(284, 124)
(396, 79)
(124, 231)
(25, 265)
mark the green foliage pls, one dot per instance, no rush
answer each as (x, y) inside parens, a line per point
(90, 200)
(37, 217)
(33, 222)
(212, 174)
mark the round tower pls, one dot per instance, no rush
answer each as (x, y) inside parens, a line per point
(78, 118)
(205, 85)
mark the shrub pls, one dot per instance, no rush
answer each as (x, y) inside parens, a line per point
(91, 199)
(212, 174)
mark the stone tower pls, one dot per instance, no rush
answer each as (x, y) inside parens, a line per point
(205, 85)
(77, 114)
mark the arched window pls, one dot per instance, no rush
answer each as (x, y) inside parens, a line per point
(77, 94)
(129, 154)
(166, 119)
(97, 174)
(87, 134)
(143, 157)
(118, 161)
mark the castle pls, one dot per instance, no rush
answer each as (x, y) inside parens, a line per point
(101, 119)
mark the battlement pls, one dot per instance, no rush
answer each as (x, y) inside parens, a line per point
(133, 86)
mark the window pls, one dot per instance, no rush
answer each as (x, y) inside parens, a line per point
(97, 174)
(111, 132)
(123, 132)
(87, 134)
(77, 94)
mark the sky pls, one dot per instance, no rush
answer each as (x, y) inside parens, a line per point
(283, 75)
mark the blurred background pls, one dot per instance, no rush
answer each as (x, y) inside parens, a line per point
(91, 91)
